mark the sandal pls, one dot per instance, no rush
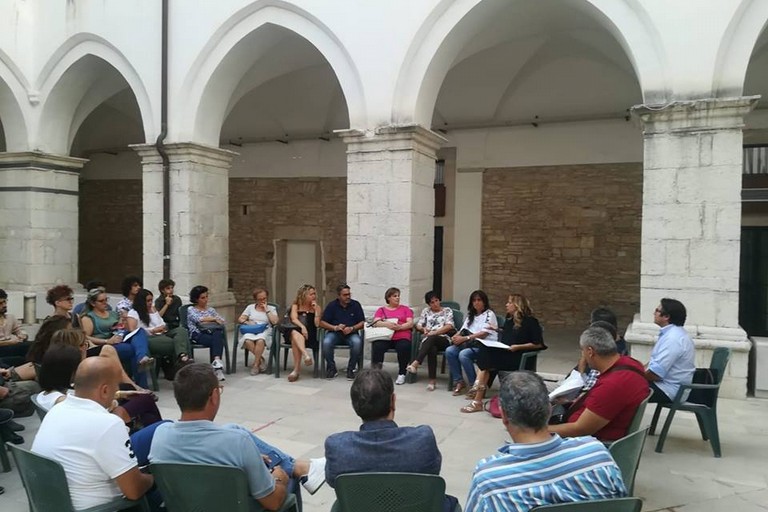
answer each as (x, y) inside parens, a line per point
(412, 369)
(459, 388)
(430, 387)
(255, 370)
(262, 365)
(307, 360)
(293, 377)
(473, 406)
(472, 393)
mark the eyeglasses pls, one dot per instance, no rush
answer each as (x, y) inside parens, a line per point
(100, 300)
(66, 299)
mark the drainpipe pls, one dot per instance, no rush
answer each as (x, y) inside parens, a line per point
(160, 146)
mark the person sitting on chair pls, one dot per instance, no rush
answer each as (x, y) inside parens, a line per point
(258, 313)
(436, 325)
(673, 356)
(607, 409)
(196, 439)
(381, 445)
(342, 319)
(539, 468)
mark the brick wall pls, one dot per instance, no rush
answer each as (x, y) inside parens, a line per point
(567, 237)
(315, 204)
(111, 233)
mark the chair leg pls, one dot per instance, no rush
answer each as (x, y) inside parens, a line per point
(655, 420)
(316, 356)
(665, 429)
(710, 420)
(234, 350)
(702, 428)
(4, 461)
(285, 358)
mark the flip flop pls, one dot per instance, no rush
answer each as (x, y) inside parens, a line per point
(293, 377)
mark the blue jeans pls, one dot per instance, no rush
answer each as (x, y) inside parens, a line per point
(332, 339)
(282, 459)
(459, 357)
(131, 352)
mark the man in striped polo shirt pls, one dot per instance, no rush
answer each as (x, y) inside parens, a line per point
(539, 468)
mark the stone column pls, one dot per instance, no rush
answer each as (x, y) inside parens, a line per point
(38, 220)
(199, 221)
(691, 227)
(390, 212)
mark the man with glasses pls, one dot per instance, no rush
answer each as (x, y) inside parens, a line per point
(342, 319)
(672, 358)
(196, 439)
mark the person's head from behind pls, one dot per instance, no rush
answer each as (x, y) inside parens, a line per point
(98, 378)
(197, 390)
(373, 395)
(597, 343)
(50, 326)
(524, 402)
(670, 311)
(166, 286)
(604, 315)
(58, 369)
(344, 294)
(72, 337)
(130, 286)
(96, 283)
(608, 327)
(3, 302)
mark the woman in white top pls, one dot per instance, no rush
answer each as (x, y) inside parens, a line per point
(144, 315)
(258, 314)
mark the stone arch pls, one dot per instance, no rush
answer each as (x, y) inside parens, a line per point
(72, 84)
(739, 40)
(451, 24)
(13, 90)
(214, 76)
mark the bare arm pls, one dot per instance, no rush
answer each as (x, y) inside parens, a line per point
(652, 376)
(134, 484)
(588, 424)
(274, 500)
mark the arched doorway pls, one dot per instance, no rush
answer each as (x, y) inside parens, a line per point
(543, 166)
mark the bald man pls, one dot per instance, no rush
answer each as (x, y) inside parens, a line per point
(90, 443)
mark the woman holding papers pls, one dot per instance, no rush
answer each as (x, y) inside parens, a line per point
(521, 333)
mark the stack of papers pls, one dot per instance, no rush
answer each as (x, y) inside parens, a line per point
(569, 389)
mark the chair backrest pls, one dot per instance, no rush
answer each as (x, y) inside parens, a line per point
(712, 375)
(500, 321)
(187, 487)
(450, 304)
(612, 505)
(637, 419)
(528, 360)
(390, 492)
(626, 453)
(39, 409)
(43, 479)
(183, 315)
(458, 318)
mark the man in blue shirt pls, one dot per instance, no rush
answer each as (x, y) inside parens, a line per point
(195, 438)
(342, 319)
(672, 358)
(539, 468)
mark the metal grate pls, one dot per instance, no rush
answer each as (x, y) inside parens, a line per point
(439, 172)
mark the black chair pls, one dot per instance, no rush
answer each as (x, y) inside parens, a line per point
(278, 342)
(192, 345)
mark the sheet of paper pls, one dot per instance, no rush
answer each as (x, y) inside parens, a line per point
(571, 385)
(493, 344)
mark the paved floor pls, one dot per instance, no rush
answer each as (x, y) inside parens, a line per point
(297, 417)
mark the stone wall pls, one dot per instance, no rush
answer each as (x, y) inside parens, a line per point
(567, 237)
(264, 209)
(110, 221)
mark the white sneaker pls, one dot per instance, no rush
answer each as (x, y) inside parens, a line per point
(217, 364)
(316, 476)
(219, 373)
(400, 379)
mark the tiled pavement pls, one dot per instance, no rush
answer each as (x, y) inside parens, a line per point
(297, 417)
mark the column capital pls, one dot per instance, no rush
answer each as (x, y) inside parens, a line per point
(41, 161)
(186, 152)
(392, 138)
(709, 114)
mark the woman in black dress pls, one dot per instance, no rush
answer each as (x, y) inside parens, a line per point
(521, 333)
(305, 314)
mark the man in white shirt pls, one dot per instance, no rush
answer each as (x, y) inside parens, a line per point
(90, 443)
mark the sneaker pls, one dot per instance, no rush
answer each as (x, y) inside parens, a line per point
(351, 373)
(217, 364)
(219, 373)
(316, 476)
(331, 373)
(400, 379)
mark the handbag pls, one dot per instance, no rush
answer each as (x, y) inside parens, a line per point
(377, 333)
(494, 407)
(253, 328)
(287, 325)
